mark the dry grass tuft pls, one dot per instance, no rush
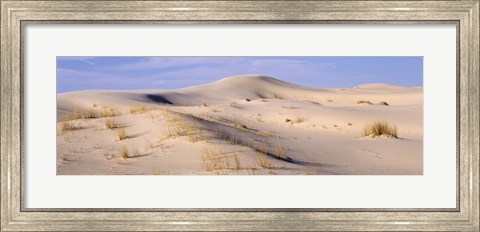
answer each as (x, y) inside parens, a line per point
(280, 152)
(68, 126)
(109, 112)
(124, 152)
(137, 109)
(364, 102)
(247, 99)
(376, 129)
(214, 161)
(288, 120)
(121, 135)
(300, 119)
(91, 113)
(178, 126)
(110, 124)
(263, 161)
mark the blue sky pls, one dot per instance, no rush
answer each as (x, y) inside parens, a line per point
(120, 73)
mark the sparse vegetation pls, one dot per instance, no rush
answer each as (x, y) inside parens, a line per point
(68, 126)
(288, 120)
(329, 100)
(124, 152)
(204, 104)
(121, 135)
(376, 129)
(263, 161)
(246, 99)
(110, 124)
(280, 152)
(350, 124)
(109, 112)
(364, 102)
(300, 119)
(178, 126)
(384, 103)
(214, 161)
(91, 113)
(137, 109)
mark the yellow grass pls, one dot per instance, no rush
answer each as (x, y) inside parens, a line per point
(137, 109)
(121, 135)
(68, 126)
(263, 161)
(280, 152)
(110, 124)
(91, 113)
(376, 129)
(124, 152)
(108, 112)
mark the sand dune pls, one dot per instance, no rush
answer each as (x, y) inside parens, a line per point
(241, 125)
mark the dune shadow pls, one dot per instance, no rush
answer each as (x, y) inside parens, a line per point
(158, 99)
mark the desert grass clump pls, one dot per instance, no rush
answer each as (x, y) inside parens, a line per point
(91, 113)
(77, 114)
(300, 119)
(121, 135)
(124, 152)
(212, 160)
(288, 120)
(110, 124)
(263, 161)
(364, 102)
(376, 129)
(108, 112)
(280, 152)
(247, 99)
(68, 126)
(137, 109)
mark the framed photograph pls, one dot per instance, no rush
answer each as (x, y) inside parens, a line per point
(240, 115)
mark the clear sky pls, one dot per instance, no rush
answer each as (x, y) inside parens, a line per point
(80, 73)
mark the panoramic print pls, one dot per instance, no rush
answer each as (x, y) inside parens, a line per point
(239, 115)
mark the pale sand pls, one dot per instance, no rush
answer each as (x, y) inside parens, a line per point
(205, 129)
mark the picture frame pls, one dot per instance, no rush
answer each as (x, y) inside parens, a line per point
(15, 14)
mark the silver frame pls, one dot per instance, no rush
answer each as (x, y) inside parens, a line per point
(16, 14)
